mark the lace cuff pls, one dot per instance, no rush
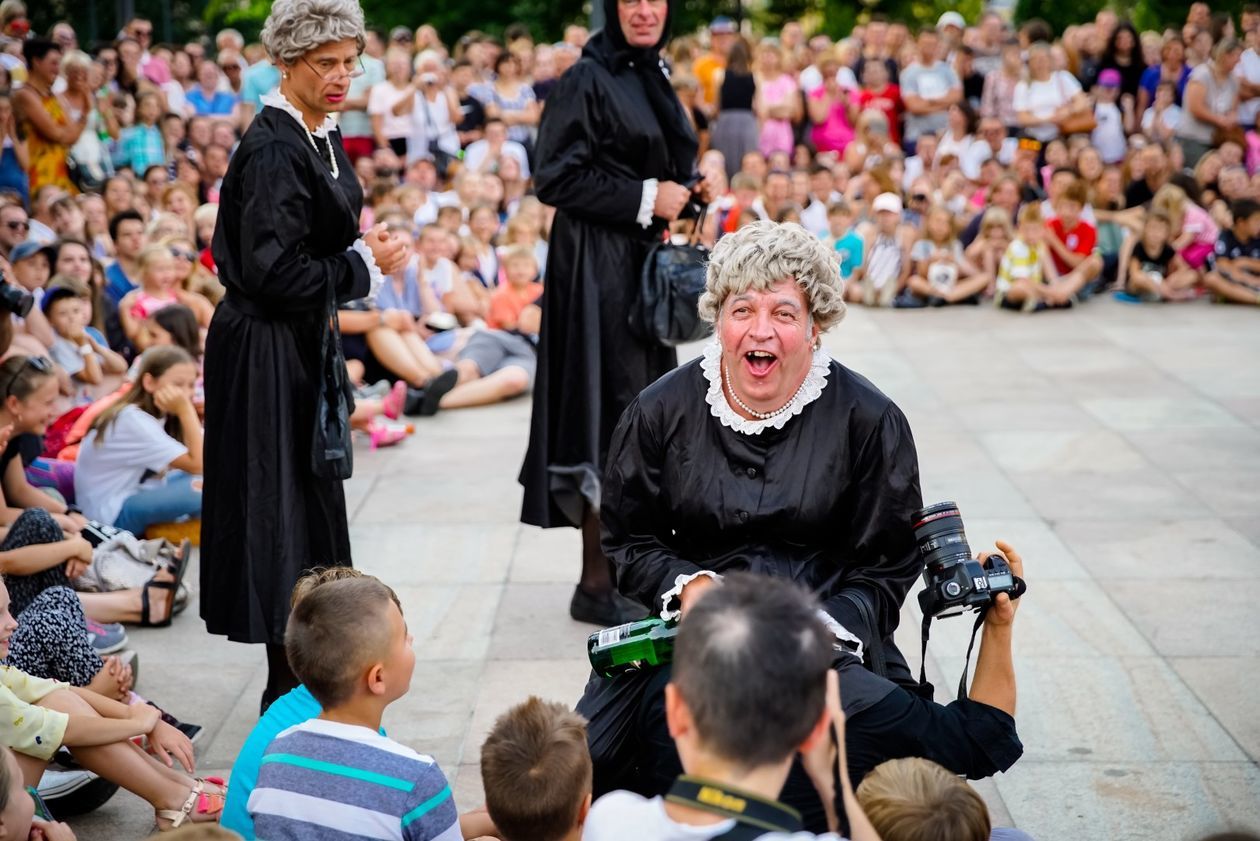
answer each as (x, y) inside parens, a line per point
(646, 203)
(671, 600)
(375, 278)
(845, 640)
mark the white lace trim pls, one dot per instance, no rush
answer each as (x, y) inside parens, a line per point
(720, 407)
(375, 276)
(671, 604)
(277, 100)
(647, 201)
(845, 639)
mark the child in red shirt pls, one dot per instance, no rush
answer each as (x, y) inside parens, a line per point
(522, 288)
(1071, 246)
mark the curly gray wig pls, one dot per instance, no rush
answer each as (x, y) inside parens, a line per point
(295, 27)
(759, 255)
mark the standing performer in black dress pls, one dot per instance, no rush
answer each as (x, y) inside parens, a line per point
(288, 232)
(615, 151)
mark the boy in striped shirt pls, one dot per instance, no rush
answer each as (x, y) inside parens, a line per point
(336, 777)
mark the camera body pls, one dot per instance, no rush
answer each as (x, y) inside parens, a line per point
(956, 581)
(14, 299)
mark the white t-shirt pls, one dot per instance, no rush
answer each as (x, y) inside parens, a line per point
(1043, 99)
(105, 476)
(625, 816)
(1108, 136)
(980, 151)
(1169, 118)
(381, 100)
(1248, 70)
(475, 154)
(441, 278)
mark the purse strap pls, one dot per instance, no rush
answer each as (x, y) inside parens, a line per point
(698, 230)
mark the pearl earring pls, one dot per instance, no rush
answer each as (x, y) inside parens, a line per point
(284, 75)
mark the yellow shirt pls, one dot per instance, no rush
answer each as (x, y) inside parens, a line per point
(708, 72)
(24, 727)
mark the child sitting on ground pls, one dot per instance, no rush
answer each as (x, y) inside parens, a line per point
(522, 288)
(942, 273)
(348, 643)
(17, 807)
(68, 306)
(159, 287)
(1234, 265)
(1156, 271)
(38, 716)
(152, 429)
(886, 266)
(844, 238)
(536, 770)
(1072, 244)
(1021, 279)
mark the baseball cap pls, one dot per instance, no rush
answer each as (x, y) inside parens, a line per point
(722, 25)
(951, 19)
(60, 290)
(28, 248)
(890, 202)
(1109, 78)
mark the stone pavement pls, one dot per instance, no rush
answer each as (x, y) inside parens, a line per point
(1118, 447)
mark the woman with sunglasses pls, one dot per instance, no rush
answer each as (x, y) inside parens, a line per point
(289, 250)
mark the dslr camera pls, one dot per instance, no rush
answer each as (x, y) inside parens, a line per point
(956, 581)
(14, 299)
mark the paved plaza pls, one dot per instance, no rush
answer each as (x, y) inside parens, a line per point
(1117, 447)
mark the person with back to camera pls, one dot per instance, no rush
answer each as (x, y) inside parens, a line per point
(287, 241)
(810, 473)
(615, 153)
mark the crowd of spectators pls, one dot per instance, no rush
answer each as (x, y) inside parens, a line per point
(963, 163)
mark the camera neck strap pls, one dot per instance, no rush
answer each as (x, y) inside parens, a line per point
(754, 815)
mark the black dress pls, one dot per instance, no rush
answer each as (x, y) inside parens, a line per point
(825, 501)
(284, 228)
(600, 137)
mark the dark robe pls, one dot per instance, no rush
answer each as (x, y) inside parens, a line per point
(599, 139)
(825, 501)
(280, 244)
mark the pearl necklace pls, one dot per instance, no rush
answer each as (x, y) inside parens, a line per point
(730, 387)
(332, 155)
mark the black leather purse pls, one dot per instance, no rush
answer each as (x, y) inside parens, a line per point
(670, 287)
(332, 453)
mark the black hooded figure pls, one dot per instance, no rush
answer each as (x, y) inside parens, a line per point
(611, 124)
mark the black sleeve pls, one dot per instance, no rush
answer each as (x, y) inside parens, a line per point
(633, 515)
(569, 175)
(885, 558)
(966, 737)
(277, 212)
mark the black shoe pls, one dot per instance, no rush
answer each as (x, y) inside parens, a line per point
(606, 609)
(425, 402)
(192, 731)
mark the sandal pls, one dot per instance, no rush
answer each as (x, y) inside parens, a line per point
(198, 803)
(145, 621)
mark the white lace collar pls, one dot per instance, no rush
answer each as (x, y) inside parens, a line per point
(720, 407)
(278, 100)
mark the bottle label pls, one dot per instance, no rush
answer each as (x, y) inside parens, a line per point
(608, 636)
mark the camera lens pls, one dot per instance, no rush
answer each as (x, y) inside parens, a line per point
(938, 529)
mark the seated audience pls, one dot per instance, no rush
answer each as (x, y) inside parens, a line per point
(1233, 267)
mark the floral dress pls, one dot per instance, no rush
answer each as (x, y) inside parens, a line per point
(48, 159)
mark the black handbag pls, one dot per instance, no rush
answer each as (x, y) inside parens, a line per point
(670, 287)
(332, 453)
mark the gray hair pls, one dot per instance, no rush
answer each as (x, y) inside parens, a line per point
(759, 255)
(295, 27)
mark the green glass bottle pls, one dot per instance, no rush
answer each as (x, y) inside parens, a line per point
(625, 648)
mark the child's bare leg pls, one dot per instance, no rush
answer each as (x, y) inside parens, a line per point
(968, 286)
(922, 288)
(1230, 291)
(502, 384)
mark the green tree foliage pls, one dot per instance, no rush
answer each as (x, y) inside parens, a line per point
(1146, 14)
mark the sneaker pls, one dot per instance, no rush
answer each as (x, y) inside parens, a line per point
(425, 401)
(106, 639)
(72, 791)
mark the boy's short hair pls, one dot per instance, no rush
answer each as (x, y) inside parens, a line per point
(1158, 216)
(536, 769)
(336, 630)
(839, 208)
(917, 800)
(750, 663)
(1244, 209)
(63, 287)
(1030, 213)
(745, 181)
(1075, 192)
(318, 576)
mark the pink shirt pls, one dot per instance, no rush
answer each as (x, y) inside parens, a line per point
(836, 133)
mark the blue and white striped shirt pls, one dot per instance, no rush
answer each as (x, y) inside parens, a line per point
(326, 781)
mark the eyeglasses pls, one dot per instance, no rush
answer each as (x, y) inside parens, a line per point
(183, 254)
(18, 226)
(331, 73)
(142, 33)
(40, 364)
